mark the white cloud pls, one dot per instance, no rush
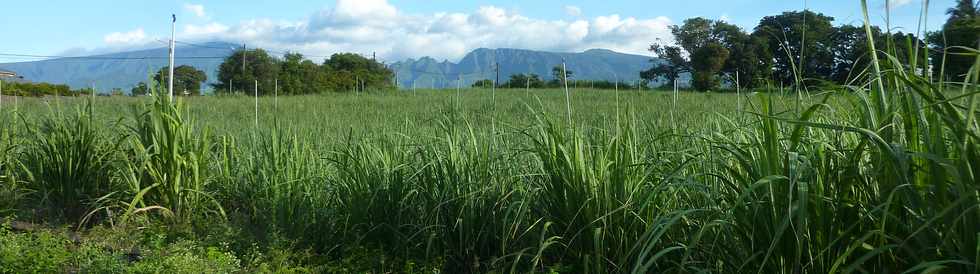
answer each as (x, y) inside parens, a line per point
(137, 36)
(898, 3)
(375, 26)
(197, 10)
(573, 11)
(209, 29)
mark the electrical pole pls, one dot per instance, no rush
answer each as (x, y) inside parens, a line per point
(497, 69)
(244, 52)
(173, 38)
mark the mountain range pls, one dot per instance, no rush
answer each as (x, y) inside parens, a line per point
(126, 69)
(595, 64)
(122, 69)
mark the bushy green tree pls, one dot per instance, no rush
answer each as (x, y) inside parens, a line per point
(669, 66)
(705, 41)
(349, 70)
(525, 80)
(962, 29)
(707, 61)
(485, 83)
(258, 66)
(800, 43)
(560, 74)
(140, 89)
(300, 76)
(187, 79)
(749, 59)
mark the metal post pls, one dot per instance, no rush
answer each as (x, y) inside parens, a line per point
(527, 91)
(738, 92)
(673, 107)
(493, 90)
(277, 95)
(568, 101)
(256, 104)
(497, 69)
(173, 38)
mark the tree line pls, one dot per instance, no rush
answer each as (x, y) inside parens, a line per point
(246, 71)
(796, 48)
(41, 89)
(558, 78)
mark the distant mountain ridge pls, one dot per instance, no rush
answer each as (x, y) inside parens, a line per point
(595, 64)
(122, 69)
(126, 69)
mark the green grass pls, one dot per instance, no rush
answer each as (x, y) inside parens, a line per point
(877, 178)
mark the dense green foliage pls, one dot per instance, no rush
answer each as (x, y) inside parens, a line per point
(293, 75)
(525, 80)
(40, 89)
(805, 49)
(674, 63)
(960, 32)
(187, 80)
(876, 177)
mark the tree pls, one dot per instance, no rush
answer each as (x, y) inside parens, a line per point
(669, 66)
(525, 80)
(560, 74)
(850, 52)
(187, 79)
(140, 89)
(485, 83)
(749, 56)
(799, 50)
(707, 61)
(962, 29)
(351, 70)
(705, 41)
(258, 66)
(300, 76)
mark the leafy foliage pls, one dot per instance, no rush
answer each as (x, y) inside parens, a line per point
(961, 31)
(707, 62)
(674, 63)
(187, 80)
(296, 75)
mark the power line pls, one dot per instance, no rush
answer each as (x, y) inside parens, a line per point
(105, 57)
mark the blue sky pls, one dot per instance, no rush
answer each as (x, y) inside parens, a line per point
(397, 29)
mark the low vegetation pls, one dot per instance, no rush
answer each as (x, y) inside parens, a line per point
(878, 176)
